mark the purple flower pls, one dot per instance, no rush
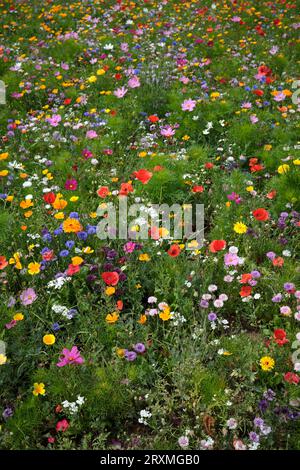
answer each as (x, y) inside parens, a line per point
(263, 405)
(28, 296)
(7, 413)
(253, 436)
(269, 395)
(271, 255)
(288, 286)
(212, 316)
(277, 298)
(130, 356)
(139, 348)
(255, 274)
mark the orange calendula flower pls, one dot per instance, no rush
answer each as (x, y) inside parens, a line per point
(72, 225)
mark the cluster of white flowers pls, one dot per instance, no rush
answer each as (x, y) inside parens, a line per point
(58, 282)
(73, 407)
(63, 311)
(178, 319)
(144, 415)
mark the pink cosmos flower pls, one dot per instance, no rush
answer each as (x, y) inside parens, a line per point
(254, 119)
(28, 296)
(188, 105)
(134, 82)
(71, 185)
(231, 259)
(120, 92)
(54, 120)
(167, 131)
(91, 135)
(70, 356)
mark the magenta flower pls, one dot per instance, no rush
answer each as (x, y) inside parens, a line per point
(71, 185)
(70, 356)
(188, 105)
(28, 296)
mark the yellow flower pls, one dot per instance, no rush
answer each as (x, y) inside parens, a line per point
(18, 317)
(3, 173)
(296, 162)
(240, 228)
(88, 250)
(28, 214)
(16, 260)
(215, 94)
(3, 359)
(4, 156)
(267, 363)
(26, 203)
(74, 199)
(77, 260)
(110, 290)
(38, 389)
(34, 268)
(250, 189)
(143, 154)
(92, 79)
(283, 169)
(112, 317)
(49, 339)
(100, 72)
(165, 314)
(268, 147)
(144, 257)
(59, 216)
(142, 320)
(120, 352)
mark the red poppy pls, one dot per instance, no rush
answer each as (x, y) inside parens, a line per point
(111, 278)
(3, 262)
(260, 214)
(103, 191)
(153, 118)
(258, 92)
(174, 251)
(246, 277)
(143, 175)
(291, 378)
(198, 189)
(126, 188)
(208, 165)
(278, 261)
(217, 245)
(120, 304)
(245, 291)
(158, 168)
(72, 269)
(67, 101)
(49, 198)
(280, 337)
(272, 194)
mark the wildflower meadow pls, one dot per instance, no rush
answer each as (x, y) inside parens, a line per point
(149, 225)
